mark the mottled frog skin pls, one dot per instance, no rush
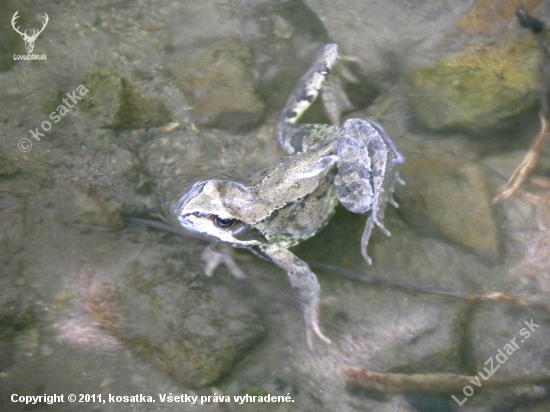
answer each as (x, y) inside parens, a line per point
(355, 165)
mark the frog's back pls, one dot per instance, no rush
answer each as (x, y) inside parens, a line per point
(302, 217)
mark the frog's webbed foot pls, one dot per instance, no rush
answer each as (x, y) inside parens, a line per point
(305, 285)
(216, 254)
(367, 173)
(333, 95)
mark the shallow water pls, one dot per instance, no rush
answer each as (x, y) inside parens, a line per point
(92, 304)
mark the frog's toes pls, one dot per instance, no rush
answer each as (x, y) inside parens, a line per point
(212, 257)
(382, 227)
(333, 94)
(335, 100)
(365, 239)
(316, 331)
(313, 329)
(347, 74)
(391, 200)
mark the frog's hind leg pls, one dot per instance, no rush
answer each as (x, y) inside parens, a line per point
(367, 173)
(290, 136)
(305, 285)
(334, 97)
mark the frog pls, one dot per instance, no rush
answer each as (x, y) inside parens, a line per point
(354, 164)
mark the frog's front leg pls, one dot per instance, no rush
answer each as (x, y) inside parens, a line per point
(215, 254)
(367, 173)
(305, 285)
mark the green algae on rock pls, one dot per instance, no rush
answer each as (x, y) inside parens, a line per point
(116, 103)
(478, 89)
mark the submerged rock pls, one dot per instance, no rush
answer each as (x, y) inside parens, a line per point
(489, 80)
(12, 213)
(516, 342)
(118, 104)
(488, 16)
(477, 89)
(18, 312)
(449, 196)
(177, 319)
(217, 81)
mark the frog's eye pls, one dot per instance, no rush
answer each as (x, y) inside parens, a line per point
(223, 223)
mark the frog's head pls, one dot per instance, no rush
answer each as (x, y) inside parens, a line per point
(216, 209)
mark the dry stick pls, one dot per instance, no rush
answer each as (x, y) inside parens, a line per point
(530, 160)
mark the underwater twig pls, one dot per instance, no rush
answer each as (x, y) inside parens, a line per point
(432, 289)
(530, 160)
(94, 194)
(440, 383)
(526, 165)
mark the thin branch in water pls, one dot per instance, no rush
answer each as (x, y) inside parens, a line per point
(432, 289)
(110, 216)
(440, 383)
(530, 160)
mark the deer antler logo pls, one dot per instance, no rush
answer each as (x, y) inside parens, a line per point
(29, 40)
